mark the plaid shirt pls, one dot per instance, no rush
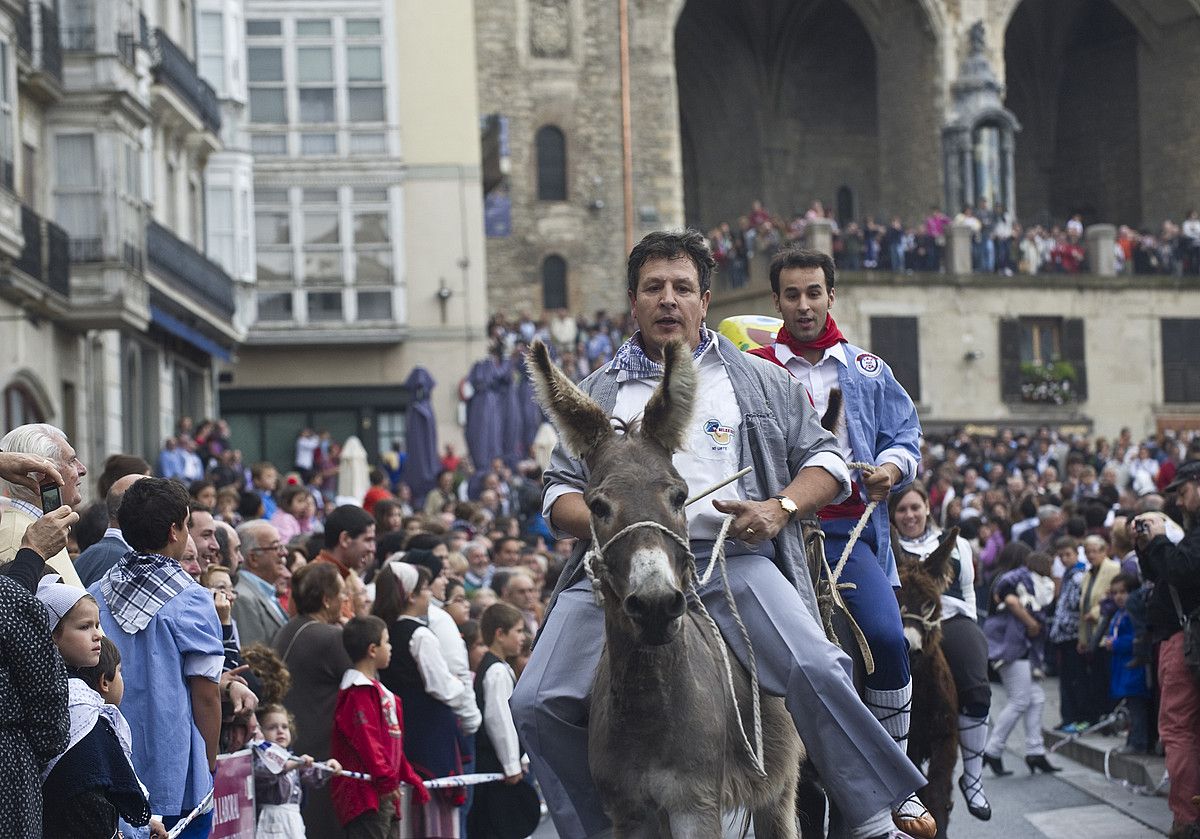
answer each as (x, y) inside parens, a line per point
(1064, 626)
(139, 585)
(632, 361)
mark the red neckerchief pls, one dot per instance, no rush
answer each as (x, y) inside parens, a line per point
(829, 336)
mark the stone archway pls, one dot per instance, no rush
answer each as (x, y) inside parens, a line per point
(791, 101)
(1109, 114)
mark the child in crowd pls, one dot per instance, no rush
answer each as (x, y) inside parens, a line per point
(279, 794)
(1127, 683)
(497, 748)
(217, 579)
(1008, 637)
(90, 786)
(476, 649)
(367, 737)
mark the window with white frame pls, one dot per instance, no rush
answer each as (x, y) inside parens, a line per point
(77, 194)
(340, 242)
(212, 51)
(221, 227)
(322, 79)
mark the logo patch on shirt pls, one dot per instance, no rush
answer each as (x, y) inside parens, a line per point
(719, 433)
(867, 364)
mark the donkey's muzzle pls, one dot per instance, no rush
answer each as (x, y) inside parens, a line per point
(656, 613)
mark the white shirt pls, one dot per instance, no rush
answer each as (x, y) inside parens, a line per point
(498, 684)
(819, 379)
(453, 648)
(439, 682)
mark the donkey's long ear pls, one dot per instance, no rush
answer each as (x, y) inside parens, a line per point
(669, 410)
(580, 421)
(938, 566)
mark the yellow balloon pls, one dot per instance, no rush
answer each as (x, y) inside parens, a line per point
(749, 332)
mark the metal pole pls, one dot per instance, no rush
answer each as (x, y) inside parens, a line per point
(626, 127)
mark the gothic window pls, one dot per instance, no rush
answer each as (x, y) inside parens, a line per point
(551, 146)
(554, 283)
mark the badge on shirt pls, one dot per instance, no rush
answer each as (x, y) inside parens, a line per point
(869, 365)
(718, 432)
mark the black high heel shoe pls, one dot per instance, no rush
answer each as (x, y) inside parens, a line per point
(996, 765)
(1039, 762)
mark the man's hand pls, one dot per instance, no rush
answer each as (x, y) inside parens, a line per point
(514, 779)
(880, 482)
(242, 699)
(157, 829)
(754, 521)
(1146, 526)
(48, 535)
(16, 467)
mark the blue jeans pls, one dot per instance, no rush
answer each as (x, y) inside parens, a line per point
(872, 602)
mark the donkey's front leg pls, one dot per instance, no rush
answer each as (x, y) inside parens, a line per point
(693, 824)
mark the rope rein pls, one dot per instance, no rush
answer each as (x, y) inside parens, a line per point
(754, 750)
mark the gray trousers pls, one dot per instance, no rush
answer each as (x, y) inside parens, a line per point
(862, 768)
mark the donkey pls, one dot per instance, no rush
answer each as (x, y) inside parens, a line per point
(665, 749)
(933, 735)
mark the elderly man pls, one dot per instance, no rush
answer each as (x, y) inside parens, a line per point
(94, 562)
(1049, 527)
(519, 591)
(765, 419)
(257, 611)
(51, 447)
(479, 562)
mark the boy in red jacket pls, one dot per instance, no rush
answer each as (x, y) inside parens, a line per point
(367, 737)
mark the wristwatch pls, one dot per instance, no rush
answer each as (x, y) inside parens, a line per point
(788, 505)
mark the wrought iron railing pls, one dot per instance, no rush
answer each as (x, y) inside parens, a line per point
(46, 255)
(189, 269)
(173, 68)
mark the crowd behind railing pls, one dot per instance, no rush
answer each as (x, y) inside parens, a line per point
(1000, 243)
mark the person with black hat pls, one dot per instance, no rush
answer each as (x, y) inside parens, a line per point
(1175, 570)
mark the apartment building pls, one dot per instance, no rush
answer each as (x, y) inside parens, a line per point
(368, 234)
(112, 313)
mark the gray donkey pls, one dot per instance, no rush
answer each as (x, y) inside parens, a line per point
(664, 746)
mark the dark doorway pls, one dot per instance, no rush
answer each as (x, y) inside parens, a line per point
(778, 102)
(554, 283)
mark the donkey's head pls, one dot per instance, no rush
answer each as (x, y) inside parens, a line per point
(920, 594)
(643, 572)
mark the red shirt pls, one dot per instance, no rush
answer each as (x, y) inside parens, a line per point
(367, 737)
(373, 496)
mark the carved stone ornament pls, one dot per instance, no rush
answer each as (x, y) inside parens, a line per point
(550, 28)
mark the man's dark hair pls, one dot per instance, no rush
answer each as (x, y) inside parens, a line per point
(347, 518)
(93, 521)
(196, 507)
(110, 659)
(250, 505)
(118, 466)
(1128, 581)
(496, 617)
(150, 508)
(671, 244)
(360, 633)
(802, 258)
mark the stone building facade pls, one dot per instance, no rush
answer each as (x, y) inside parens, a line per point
(844, 101)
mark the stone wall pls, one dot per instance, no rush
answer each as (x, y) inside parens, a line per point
(1123, 147)
(960, 316)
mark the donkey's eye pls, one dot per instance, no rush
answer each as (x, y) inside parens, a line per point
(679, 498)
(600, 508)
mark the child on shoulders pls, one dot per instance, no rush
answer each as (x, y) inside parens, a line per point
(368, 737)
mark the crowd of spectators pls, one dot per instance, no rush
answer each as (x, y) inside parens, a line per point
(226, 600)
(1000, 243)
(579, 345)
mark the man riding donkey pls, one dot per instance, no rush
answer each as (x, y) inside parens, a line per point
(748, 413)
(874, 422)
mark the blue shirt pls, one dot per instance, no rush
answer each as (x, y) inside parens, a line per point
(182, 640)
